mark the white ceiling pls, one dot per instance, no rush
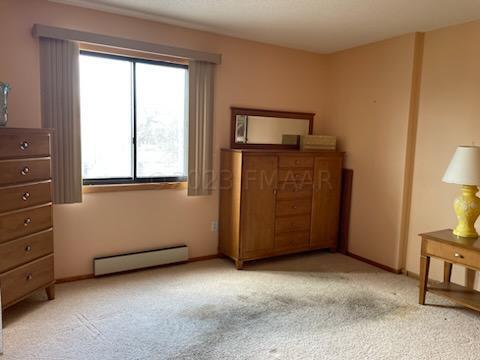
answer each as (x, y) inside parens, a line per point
(322, 26)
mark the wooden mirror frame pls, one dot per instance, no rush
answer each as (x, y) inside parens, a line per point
(267, 113)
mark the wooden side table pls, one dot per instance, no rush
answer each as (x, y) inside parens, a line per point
(452, 250)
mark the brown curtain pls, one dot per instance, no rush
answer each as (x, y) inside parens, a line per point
(60, 93)
(200, 128)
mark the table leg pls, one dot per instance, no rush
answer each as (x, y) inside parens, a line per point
(470, 278)
(447, 272)
(424, 267)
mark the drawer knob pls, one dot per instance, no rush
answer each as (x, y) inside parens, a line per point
(24, 145)
(297, 162)
(25, 196)
(25, 171)
(29, 277)
(28, 248)
(457, 255)
(294, 206)
(27, 222)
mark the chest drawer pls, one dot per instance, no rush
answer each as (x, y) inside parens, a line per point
(454, 254)
(289, 161)
(23, 223)
(26, 249)
(287, 191)
(292, 223)
(25, 279)
(23, 196)
(293, 207)
(292, 240)
(24, 145)
(303, 176)
(21, 171)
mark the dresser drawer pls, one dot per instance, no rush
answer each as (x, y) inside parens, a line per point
(292, 223)
(288, 161)
(22, 223)
(21, 171)
(23, 280)
(293, 207)
(24, 145)
(26, 249)
(287, 191)
(23, 196)
(292, 240)
(454, 254)
(303, 176)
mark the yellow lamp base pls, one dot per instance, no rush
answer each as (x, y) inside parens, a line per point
(467, 208)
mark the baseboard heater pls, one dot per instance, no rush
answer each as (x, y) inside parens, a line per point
(139, 260)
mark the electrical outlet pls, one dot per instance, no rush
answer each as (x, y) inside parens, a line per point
(214, 226)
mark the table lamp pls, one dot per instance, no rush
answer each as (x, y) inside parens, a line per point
(464, 169)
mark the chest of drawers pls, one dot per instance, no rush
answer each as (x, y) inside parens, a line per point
(26, 226)
(278, 202)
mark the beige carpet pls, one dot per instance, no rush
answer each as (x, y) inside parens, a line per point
(316, 306)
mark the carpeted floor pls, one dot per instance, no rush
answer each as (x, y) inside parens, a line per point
(316, 306)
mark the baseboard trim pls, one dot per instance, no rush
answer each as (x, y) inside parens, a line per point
(374, 263)
(74, 278)
(92, 276)
(203, 258)
(412, 275)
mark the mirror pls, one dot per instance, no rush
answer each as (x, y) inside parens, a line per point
(252, 128)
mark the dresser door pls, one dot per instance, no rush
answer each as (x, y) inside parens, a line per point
(259, 183)
(326, 202)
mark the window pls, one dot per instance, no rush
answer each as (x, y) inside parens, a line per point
(133, 116)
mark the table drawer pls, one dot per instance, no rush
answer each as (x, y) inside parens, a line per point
(294, 161)
(292, 223)
(287, 191)
(23, 196)
(24, 145)
(293, 207)
(21, 171)
(26, 249)
(23, 223)
(455, 254)
(292, 240)
(303, 176)
(23, 280)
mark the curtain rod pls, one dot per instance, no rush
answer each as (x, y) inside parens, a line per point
(52, 32)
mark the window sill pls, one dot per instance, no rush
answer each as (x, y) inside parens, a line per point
(134, 187)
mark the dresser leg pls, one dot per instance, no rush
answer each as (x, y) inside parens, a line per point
(447, 272)
(50, 292)
(239, 264)
(424, 267)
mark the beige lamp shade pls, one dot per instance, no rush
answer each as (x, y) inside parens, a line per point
(464, 168)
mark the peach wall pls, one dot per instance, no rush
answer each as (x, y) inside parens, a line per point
(251, 75)
(362, 95)
(449, 116)
(368, 109)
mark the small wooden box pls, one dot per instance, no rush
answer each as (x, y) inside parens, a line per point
(318, 142)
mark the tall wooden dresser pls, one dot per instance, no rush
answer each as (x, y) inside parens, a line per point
(26, 233)
(275, 202)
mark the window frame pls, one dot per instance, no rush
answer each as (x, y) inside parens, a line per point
(134, 179)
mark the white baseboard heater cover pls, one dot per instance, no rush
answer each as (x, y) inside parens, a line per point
(139, 260)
